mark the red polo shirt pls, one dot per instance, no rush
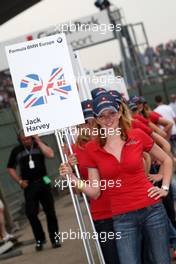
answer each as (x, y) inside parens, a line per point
(153, 116)
(138, 124)
(100, 208)
(132, 194)
(141, 119)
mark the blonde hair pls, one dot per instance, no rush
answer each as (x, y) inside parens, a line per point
(146, 111)
(84, 137)
(125, 121)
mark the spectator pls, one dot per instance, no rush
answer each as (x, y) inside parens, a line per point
(30, 156)
(166, 112)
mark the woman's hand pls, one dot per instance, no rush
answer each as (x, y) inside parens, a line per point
(65, 169)
(155, 177)
(72, 159)
(156, 193)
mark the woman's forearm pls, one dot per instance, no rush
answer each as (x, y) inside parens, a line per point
(90, 189)
(167, 170)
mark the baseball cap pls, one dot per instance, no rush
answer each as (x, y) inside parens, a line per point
(117, 96)
(142, 99)
(104, 102)
(87, 109)
(135, 99)
(132, 106)
(97, 91)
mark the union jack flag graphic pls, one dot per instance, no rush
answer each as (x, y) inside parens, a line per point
(36, 97)
(56, 85)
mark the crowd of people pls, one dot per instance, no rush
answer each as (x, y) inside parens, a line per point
(6, 89)
(137, 165)
(160, 61)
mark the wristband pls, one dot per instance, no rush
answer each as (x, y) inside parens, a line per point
(165, 188)
(80, 185)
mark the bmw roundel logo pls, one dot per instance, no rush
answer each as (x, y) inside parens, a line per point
(59, 40)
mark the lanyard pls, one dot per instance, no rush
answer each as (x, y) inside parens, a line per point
(31, 162)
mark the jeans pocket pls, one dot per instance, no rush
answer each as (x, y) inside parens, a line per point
(158, 212)
(155, 206)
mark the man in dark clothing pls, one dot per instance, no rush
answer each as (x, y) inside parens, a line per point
(30, 156)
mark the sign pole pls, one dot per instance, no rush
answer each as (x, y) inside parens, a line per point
(63, 158)
(99, 251)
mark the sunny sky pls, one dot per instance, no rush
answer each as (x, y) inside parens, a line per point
(158, 16)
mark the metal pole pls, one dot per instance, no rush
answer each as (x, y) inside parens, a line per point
(141, 65)
(126, 67)
(79, 208)
(98, 247)
(164, 86)
(73, 198)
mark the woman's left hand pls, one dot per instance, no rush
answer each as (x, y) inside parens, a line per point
(156, 193)
(72, 160)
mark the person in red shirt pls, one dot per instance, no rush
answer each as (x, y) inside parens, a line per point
(153, 117)
(100, 208)
(137, 114)
(136, 206)
(138, 123)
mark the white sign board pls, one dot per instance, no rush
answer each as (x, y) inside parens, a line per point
(101, 78)
(81, 33)
(44, 84)
(83, 85)
(119, 85)
(108, 72)
(106, 79)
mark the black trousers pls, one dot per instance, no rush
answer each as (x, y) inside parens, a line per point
(108, 246)
(39, 192)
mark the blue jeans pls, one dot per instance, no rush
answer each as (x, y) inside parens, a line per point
(149, 224)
